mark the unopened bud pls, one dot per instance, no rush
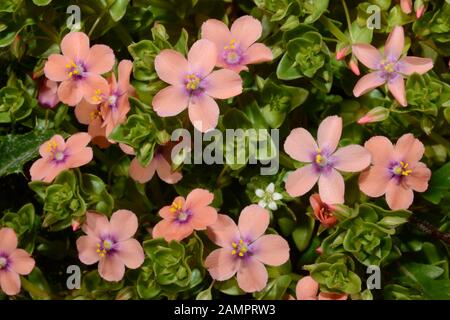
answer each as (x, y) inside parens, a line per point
(75, 225)
(353, 64)
(420, 12)
(406, 6)
(377, 114)
(340, 54)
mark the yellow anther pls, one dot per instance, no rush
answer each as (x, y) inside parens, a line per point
(106, 244)
(241, 254)
(175, 207)
(52, 145)
(233, 252)
(319, 158)
(241, 241)
(234, 245)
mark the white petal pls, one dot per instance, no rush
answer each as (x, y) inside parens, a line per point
(262, 203)
(277, 196)
(273, 205)
(259, 192)
(270, 188)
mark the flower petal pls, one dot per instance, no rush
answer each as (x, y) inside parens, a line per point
(21, 262)
(95, 225)
(224, 231)
(202, 57)
(329, 133)
(140, 173)
(307, 288)
(301, 181)
(111, 268)
(367, 83)
(418, 179)
(91, 83)
(331, 187)
(300, 145)
(253, 222)
(374, 181)
(203, 112)
(410, 65)
(123, 224)
(367, 54)
(271, 249)
(171, 66)
(8, 240)
(170, 101)
(217, 32)
(40, 169)
(351, 158)
(397, 87)
(131, 253)
(75, 45)
(165, 172)
(87, 246)
(381, 149)
(10, 282)
(70, 92)
(258, 53)
(408, 149)
(84, 111)
(395, 43)
(78, 142)
(203, 217)
(125, 68)
(252, 275)
(80, 158)
(55, 67)
(223, 84)
(100, 59)
(398, 195)
(246, 30)
(221, 264)
(198, 198)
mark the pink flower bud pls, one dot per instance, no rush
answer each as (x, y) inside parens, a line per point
(340, 54)
(48, 95)
(353, 64)
(75, 225)
(319, 250)
(420, 12)
(375, 115)
(406, 6)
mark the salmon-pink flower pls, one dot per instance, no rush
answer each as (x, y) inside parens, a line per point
(388, 67)
(308, 289)
(245, 249)
(79, 68)
(182, 217)
(236, 47)
(48, 94)
(323, 161)
(322, 211)
(58, 155)
(161, 164)
(111, 105)
(13, 262)
(193, 84)
(111, 244)
(395, 171)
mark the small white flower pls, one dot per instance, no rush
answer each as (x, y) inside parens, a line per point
(268, 197)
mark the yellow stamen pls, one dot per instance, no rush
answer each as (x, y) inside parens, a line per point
(52, 145)
(175, 207)
(234, 245)
(319, 158)
(233, 252)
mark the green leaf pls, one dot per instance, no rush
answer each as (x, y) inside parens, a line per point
(41, 2)
(439, 185)
(302, 234)
(118, 9)
(17, 150)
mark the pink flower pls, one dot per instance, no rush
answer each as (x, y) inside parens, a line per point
(193, 84)
(48, 96)
(182, 217)
(308, 289)
(406, 6)
(395, 171)
(323, 161)
(388, 67)
(13, 262)
(161, 164)
(245, 249)
(322, 211)
(58, 156)
(112, 103)
(111, 244)
(79, 68)
(237, 48)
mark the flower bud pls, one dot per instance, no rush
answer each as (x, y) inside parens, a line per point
(353, 64)
(48, 94)
(377, 114)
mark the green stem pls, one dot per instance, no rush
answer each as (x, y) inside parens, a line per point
(347, 17)
(439, 139)
(96, 23)
(333, 29)
(33, 290)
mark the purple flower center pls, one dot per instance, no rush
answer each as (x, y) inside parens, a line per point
(389, 68)
(232, 54)
(181, 215)
(399, 169)
(194, 84)
(107, 246)
(76, 70)
(241, 249)
(322, 161)
(57, 155)
(4, 261)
